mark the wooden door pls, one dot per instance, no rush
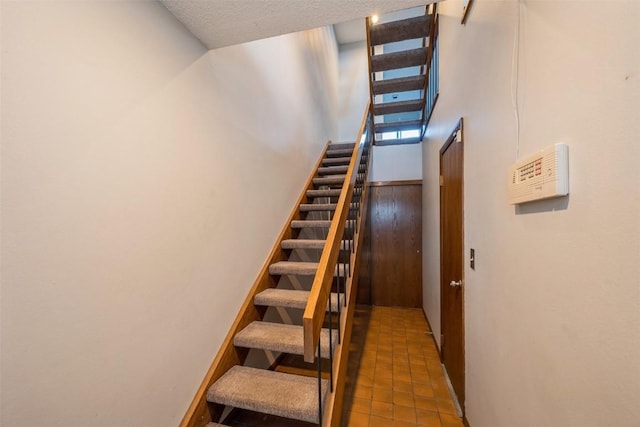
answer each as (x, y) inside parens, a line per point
(452, 260)
(396, 242)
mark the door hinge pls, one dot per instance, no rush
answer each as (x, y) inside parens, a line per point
(441, 181)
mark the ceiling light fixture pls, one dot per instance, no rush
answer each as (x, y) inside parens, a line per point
(374, 19)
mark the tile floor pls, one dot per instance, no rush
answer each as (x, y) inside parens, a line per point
(394, 376)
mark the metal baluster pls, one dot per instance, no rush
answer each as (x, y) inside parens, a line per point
(330, 345)
(319, 385)
(338, 297)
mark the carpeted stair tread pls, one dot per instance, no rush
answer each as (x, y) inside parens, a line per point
(302, 244)
(399, 107)
(316, 223)
(333, 179)
(401, 84)
(310, 223)
(402, 59)
(290, 298)
(308, 244)
(269, 392)
(339, 153)
(341, 145)
(281, 338)
(335, 192)
(298, 268)
(333, 170)
(336, 161)
(293, 267)
(395, 31)
(308, 207)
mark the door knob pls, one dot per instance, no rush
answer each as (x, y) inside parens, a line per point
(453, 284)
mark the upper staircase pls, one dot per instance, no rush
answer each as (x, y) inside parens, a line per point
(403, 76)
(299, 308)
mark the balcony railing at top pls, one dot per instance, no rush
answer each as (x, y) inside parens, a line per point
(432, 79)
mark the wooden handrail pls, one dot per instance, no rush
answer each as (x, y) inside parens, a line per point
(371, 73)
(314, 313)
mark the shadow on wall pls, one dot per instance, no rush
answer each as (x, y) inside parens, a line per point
(538, 206)
(323, 69)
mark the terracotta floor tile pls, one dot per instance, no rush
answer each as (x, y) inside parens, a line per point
(423, 372)
(382, 409)
(427, 418)
(363, 392)
(445, 406)
(383, 380)
(403, 399)
(357, 419)
(384, 364)
(450, 421)
(404, 413)
(405, 386)
(379, 422)
(361, 405)
(423, 389)
(383, 395)
(395, 370)
(425, 403)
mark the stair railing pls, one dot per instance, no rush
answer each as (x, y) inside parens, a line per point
(338, 255)
(431, 81)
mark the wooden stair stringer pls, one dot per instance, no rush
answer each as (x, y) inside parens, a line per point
(200, 412)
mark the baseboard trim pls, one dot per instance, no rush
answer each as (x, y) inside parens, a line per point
(390, 183)
(433, 335)
(465, 421)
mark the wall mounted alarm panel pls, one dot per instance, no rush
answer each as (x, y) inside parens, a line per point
(542, 176)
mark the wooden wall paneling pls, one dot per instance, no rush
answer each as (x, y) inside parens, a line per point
(396, 242)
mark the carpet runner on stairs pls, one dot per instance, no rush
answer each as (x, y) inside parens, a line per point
(269, 392)
(299, 268)
(277, 393)
(331, 170)
(281, 338)
(336, 161)
(290, 298)
(335, 192)
(326, 180)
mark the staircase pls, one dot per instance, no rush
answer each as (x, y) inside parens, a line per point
(403, 76)
(299, 306)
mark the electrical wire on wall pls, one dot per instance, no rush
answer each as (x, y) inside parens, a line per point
(515, 72)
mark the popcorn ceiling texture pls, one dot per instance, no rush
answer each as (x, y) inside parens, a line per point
(219, 23)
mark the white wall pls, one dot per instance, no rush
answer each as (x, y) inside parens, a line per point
(144, 181)
(396, 163)
(553, 307)
(353, 89)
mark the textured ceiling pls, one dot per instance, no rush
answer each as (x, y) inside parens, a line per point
(219, 23)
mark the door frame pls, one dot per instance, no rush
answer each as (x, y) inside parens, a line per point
(450, 140)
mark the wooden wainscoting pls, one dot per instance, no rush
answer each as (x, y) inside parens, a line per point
(395, 238)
